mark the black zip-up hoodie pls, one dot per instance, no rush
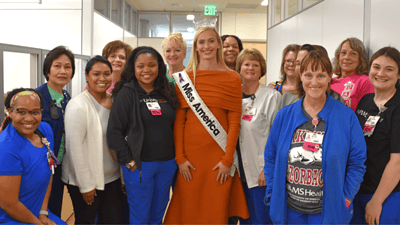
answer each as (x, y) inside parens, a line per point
(125, 132)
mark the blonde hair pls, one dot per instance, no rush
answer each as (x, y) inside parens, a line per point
(194, 57)
(252, 54)
(176, 37)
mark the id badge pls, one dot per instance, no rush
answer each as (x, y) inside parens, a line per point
(313, 141)
(249, 113)
(154, 108)
(369, 126)
(50, 161)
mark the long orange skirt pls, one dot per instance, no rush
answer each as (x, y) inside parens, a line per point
(203, 200)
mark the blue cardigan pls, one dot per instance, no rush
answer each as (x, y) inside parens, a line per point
(343, 157)
(56, 125)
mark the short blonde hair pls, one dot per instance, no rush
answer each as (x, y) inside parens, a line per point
(252, 54)
(194, 57)
(176, 37)
(358, 46)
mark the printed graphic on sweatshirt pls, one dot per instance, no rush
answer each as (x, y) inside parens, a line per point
(304, 174)
(346, 93)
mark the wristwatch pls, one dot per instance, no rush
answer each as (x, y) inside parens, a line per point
(130, 164)
(44, 212)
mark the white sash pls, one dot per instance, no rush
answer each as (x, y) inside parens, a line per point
(203, 113)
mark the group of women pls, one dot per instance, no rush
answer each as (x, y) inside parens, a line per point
(234, 149)
(325, 164)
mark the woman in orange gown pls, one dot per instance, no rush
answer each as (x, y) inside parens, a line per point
(205, 192)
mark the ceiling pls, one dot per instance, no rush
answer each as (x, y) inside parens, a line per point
(245, 6)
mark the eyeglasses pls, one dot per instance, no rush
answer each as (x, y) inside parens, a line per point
(289, 62)
(117, 57)
(24, 112)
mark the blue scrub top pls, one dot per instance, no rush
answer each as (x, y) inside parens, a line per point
(19, 157)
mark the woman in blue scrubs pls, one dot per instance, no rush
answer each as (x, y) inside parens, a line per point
(26, 161)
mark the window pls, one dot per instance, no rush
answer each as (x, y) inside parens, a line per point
(291, 7)
(187, 29)
(134, 22)
(116, 11)
(277, 11)
(102, 7)
(310, 2)
(127, 17)
(154, 24)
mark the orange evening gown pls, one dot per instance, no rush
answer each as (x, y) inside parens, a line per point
(203, 200)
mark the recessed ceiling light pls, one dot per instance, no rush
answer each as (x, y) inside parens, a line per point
(190, 17)
(264, 3)
(190, 29)
(177, 5)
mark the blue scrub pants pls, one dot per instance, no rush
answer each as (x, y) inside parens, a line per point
(51, 216)
(148, 199)
(390, 209)
(295, 217)
(259, 212)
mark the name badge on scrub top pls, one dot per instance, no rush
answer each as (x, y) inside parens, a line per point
(50, 161)
(154, 108)
(313, 141)
(369, 126)
(249, 112)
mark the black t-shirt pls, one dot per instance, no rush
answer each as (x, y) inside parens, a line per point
(384, 140)
(158, 144)
(304, 171)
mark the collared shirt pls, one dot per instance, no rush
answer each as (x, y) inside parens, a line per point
(254, 134)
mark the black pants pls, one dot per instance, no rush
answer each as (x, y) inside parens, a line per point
(57, 192)
(107, 205)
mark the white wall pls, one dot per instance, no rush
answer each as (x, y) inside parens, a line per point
(41, 28)
(16, 76)
(327, 23)
(247, 26)
(130, 39)
(72, 23)
(153, 42)
(385, 19)
(105, 31)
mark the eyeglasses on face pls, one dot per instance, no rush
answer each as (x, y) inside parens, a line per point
(24, 112)
(289, 62)
(120, 57)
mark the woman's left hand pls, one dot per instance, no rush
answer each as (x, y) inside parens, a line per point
(123, 189)
(45, 220)
(261, 179)
(373, 212)
(223, 173)
(88, 197)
